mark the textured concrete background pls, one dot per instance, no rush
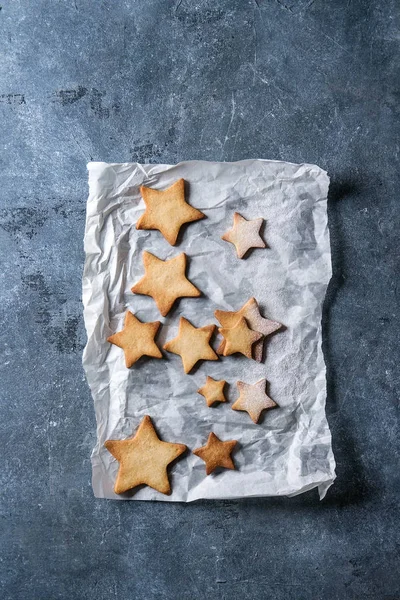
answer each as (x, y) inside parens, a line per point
(164, 81)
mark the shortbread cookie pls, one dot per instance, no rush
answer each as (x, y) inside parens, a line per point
(240, 338)
(251, 312)
(136, 339)
(165, 281)
(216, 453)
(143, 459)
(192, 344)
(213, 391)
(253, 399)
(167, 210)
(244, 234)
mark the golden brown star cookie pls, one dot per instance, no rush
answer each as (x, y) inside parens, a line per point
(192, 344)
(239, 338)
(253, 399)
(244, 234)
(251, 312)
(136, 339)
(216, 453)
(143, 459)
(167, 210)
(213, 391)
(165, 281)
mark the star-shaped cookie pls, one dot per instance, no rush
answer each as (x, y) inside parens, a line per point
(213, 391)
(165, 281)
(167, 210)
(251, 312)
(244, 234)
(216, 453)
(143, 459)
(253, 399)
(239, 338)
(136, 339)
(192, 344)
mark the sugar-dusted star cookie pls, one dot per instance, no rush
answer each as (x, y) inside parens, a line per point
(253, 399)
(213, 391)
(167, 210)
(239, 338)
(136, 339)
(244, 234)
(192, 344)
(143, 459)
(165, 281)
(251, 312)
(216, 453)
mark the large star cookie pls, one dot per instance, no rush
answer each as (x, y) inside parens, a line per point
(244, 234)
(216, 453)
(143, 459)
(253, 399)
(192, 344)
(239, 338)
(136, 339)
(213, 391)
(251, 312)
(167, 210)
(165, 281)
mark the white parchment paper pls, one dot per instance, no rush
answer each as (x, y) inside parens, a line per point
(290, 451)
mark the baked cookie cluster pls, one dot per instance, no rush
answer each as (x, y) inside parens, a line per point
(144, 458)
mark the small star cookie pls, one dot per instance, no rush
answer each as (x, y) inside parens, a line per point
(143, 459)
(136, 339)
(251, 312)
(167, 210)
(244, 234)
(239, 338)
(213, 391)
(192, 344)
(165, 281)
(253, 399)
(216, 453)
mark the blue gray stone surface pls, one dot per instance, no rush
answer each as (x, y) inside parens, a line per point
(163, 81)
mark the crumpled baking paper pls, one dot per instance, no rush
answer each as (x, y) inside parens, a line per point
(290, 451)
